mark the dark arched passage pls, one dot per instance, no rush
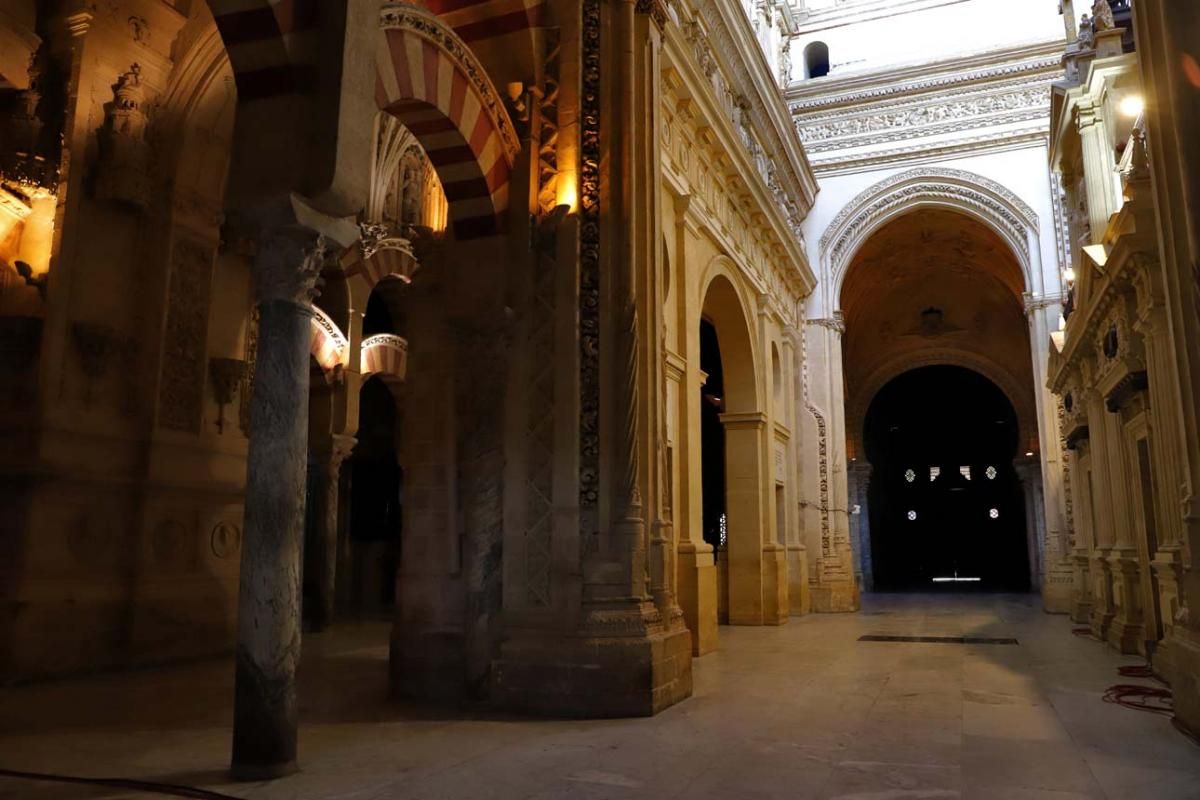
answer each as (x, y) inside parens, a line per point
(946, 506)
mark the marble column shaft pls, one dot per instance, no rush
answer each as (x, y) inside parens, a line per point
(268, 642)
(327, 466)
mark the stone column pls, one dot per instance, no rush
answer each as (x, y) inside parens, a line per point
(326, 467)
(286, 267)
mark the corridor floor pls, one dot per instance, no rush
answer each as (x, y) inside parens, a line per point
(801, 711)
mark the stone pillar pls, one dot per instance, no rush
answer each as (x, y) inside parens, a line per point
(835, 589)
(481, 362)
(268, 642)
(860, 524)
(1168, 40)
(747, 522)
(623, 654)
(326, 465)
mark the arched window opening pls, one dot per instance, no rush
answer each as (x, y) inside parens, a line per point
(816, 60)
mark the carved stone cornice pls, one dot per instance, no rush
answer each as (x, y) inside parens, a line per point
(836, 323)
(928, 152)
(924, 77)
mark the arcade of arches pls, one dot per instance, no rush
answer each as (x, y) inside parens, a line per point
(564, 336)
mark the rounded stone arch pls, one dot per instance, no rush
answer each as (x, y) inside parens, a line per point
(956, 190)
(429, 79)
(858, 404)
(725, 306)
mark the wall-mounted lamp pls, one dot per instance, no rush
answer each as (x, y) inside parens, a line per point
(1131, 105)
(1069, 274)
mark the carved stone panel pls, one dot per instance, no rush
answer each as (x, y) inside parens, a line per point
(181, 391)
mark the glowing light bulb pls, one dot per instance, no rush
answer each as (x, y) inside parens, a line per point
(1132, 105)
(1069, 275)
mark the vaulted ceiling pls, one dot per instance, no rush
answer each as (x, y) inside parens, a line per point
(935, 287)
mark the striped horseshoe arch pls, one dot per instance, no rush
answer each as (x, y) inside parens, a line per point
(328, 345)
(430, 80)
(271, 44)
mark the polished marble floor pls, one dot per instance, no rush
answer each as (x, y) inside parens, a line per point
(801, 711)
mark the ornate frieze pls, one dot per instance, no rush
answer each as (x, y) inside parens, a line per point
(880, 126)
(803, 101)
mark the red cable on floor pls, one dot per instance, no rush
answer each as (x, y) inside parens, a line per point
(169, 789)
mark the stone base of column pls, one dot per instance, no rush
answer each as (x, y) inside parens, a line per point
(1127, 631)
(1177, 659)
(592, 677)
(837, 598)
(799, 597)
(697, 594)
(836, 591)
(1126, 637)
(1058, 588)
(775, 585)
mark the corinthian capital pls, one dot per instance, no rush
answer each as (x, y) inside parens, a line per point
(287, 265)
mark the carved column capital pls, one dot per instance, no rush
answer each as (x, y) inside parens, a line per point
(655, 9)
(287, 265)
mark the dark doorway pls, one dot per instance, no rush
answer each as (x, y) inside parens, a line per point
(376, 487)
(945, 502)
(712, 438)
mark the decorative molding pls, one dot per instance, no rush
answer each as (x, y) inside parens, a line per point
(878, 126)
(925, 152)
(804, 97)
